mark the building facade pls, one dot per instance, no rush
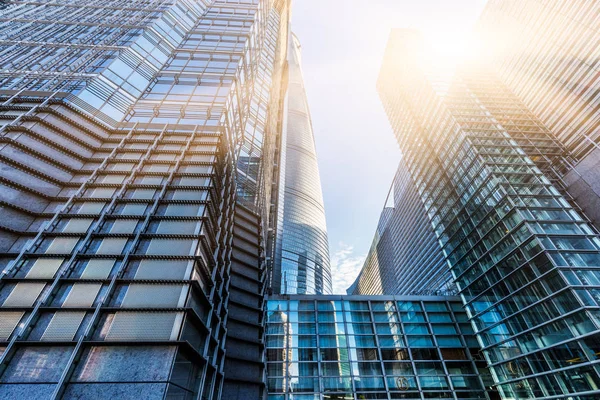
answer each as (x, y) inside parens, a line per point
(523, 258)
(301, 257)
(373, 347)
(405, 256)
(546, 53)
(137, 145)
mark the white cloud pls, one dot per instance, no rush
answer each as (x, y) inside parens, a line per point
(345, 266)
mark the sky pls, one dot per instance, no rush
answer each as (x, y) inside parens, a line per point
(342, 47)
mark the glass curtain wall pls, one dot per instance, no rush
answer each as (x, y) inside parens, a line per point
(519, 252)
(367, 347)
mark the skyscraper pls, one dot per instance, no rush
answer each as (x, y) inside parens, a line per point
(547, 54)
(405, 256)
(302, 251)
(523, 259)
(130, 130)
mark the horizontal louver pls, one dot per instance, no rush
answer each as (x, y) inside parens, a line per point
(8, 323)
(142, 295)
(143, 326)
(82, 295)
(24, 294)
(97, 269)
(44, 268)
(63, 326)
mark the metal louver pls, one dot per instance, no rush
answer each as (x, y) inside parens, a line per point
(162, 269)
(24, 294)
(8, 323)
(78, 225)
(97, 269)
(82, 295)
(144, 326)
(144, 295)
(111, 246)
(62, 245)
(63, 325)
(176, 247)
(44, 268)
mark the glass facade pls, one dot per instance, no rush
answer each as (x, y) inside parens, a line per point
(405, 256)
(372, 347)
(546, 53)
(521, 256)
(130, 131)
(302, 250)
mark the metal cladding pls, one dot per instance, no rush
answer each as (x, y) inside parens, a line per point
(131, 133)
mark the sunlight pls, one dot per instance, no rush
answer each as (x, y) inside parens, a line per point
(445, 49)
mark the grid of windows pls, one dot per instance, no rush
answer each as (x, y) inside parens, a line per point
(353, 347)
(515, 245)
(124, 260)
(120, 177)
(405, 256)
(546, 52)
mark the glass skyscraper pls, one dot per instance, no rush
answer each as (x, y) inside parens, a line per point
(130, 130)
(302, 251)
(405, 256)
(547, 54)
(523, 258)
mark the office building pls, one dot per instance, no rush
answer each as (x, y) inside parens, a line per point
(523, 258)
(373, 347)
(136, 159)
(546, 53)
(405, 256)
(301, 257)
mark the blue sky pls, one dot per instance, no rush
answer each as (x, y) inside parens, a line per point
(342, 47)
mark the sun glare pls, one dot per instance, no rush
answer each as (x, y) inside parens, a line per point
(445, 48)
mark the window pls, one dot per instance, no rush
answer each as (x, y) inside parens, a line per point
(63, 326)
(133, 209)
(8, 323)
(100, 192)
